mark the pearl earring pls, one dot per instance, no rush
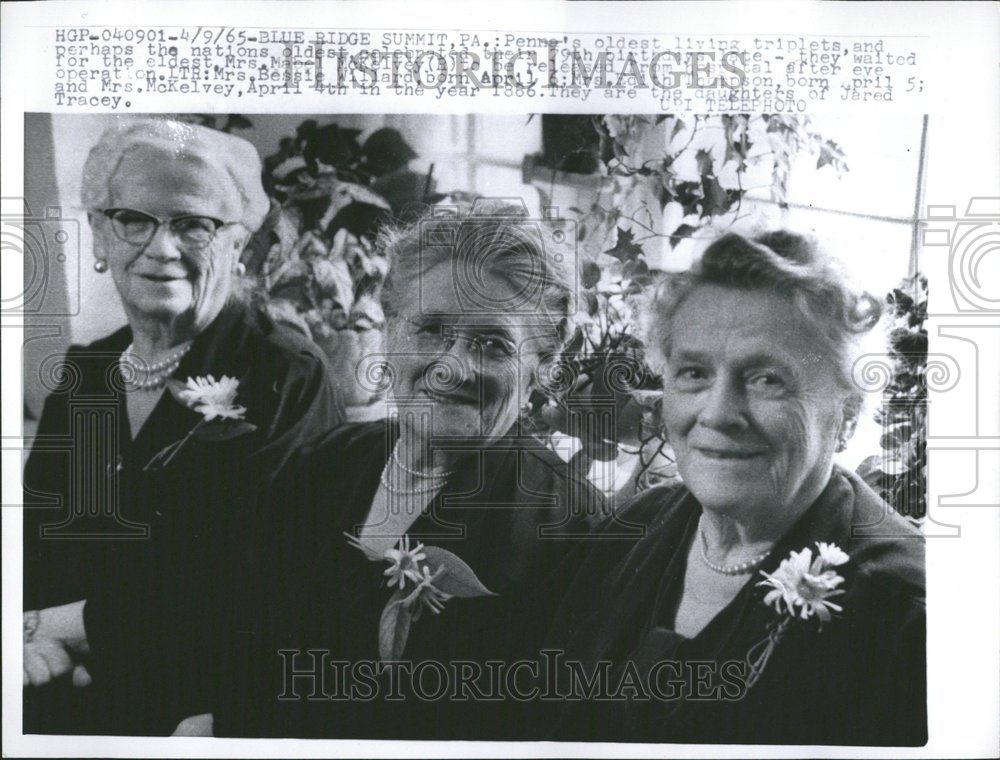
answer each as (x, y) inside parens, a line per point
(100, 266)
(239, 269)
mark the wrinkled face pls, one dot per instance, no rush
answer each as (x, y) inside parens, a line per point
(471, 372)
(164, 278)
(750, 401)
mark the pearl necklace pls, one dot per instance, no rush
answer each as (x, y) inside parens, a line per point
(418, 473)
(431, 487)
(156, 373)
(741, 568)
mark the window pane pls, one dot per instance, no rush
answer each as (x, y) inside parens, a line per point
(875, 253)
(507, 138)
(882, 154)
(449, 176)
(502, 182)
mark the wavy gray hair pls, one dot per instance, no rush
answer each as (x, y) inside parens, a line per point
(782, 262)
(231, 156)
(493, 238)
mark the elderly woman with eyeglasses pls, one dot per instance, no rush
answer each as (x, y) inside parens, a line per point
(431, 537)
(154, 435)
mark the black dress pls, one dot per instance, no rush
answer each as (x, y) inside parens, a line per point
(510, 511)
(858, 680)
(116, 531)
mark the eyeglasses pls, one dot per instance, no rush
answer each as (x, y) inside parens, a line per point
(433, 334)
(192, 232)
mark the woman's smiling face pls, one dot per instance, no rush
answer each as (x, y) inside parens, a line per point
(750, 402)
(162, 278)
(472, 371)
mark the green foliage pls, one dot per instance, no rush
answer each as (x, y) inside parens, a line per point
(899, 474)
(605, 357)
(314, 263)
(314, 258)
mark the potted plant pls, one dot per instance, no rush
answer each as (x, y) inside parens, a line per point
(314, 261)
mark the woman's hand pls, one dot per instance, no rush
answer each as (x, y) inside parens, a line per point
(48, 659)
(54, 638)
(196, 725)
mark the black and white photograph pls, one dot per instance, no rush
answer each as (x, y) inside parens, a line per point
(544, 426)
(480, 427)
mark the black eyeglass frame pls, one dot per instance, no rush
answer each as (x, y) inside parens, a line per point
(217, 224)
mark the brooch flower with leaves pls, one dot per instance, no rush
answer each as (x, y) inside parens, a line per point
(801, 588)
(221, 417)
(417, 587)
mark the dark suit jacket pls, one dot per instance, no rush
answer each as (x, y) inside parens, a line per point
(511, 512)
(134, 542)
(858, 680)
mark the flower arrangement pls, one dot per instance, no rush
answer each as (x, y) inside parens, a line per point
(417, 587)
(221, 417)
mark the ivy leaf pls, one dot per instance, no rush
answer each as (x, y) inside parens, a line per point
(779, 124)
(682, 232)
(394, 627)
(626, 249)
(716, 200)
(901, 300)
(590, 275)
(458, 579)
(736, 147)
(896, 441)
(236, 121)
(331, 145)
(591, 308)
(385, 151)
(869, 469)
(832, 154)
(635, 287)
(282, 311)
(893, 465)
(575, 343)
(678, 128)
(636, 270)
(689, 195)
(360, 219)
(705, 164)
(334, 281)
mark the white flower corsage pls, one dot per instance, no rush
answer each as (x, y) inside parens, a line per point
(221, 417)
(418, 587)
(213, 398)
(801, 588)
